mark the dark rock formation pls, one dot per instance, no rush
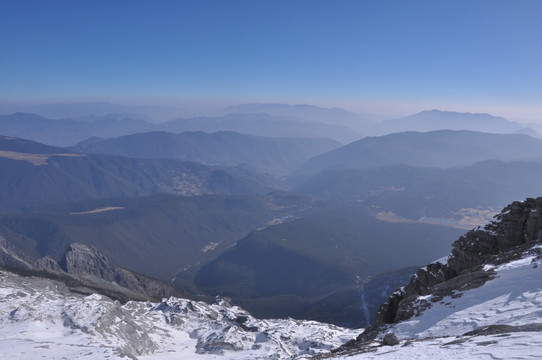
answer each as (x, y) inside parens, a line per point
(390, 339)
(12, 258)
(86, 261)
(515, 230)
(85, 270)
(47, 263)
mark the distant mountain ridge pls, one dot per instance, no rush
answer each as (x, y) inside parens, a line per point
(263, 124)
(311, 113)
(14, 144)
(442, 148)
(81, 121)
(101, 109)
(70, 131)
(274, 155)
(66, 132)
(414, 192)
(432, 120)
(33, 174)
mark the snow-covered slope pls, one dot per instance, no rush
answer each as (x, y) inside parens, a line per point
(484, 301)
(40, 318)
(500, 320)
(513, 297)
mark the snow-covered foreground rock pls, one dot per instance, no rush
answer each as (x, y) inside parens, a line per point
(40, 318)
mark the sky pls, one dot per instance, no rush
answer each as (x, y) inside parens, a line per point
(378, 56)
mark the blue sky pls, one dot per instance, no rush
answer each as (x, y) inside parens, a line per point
(375, 56)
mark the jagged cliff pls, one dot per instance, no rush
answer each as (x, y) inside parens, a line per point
(511, 235)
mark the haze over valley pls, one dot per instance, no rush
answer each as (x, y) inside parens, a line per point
(233, 214)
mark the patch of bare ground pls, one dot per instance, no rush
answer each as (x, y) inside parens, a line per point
(36, 159)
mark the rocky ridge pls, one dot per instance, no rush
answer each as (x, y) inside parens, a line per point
(85, 270)
(513, 234)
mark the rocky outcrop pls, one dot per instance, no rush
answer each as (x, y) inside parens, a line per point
(516, 229)
(12, 258)
(84, 261)
(85, 270)
(47, 263)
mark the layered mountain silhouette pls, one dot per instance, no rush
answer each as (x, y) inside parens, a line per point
(67, 132)
(263, 124)
(33, 174)
(432, 120)
(278, 156)
(414, 192)
(443, 149)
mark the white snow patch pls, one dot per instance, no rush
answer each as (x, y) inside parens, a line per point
(443, 260)
(39, 318)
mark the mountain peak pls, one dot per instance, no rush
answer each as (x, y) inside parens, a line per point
(435, 119)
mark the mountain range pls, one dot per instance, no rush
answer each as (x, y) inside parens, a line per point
(278, 156)
(165, 223)
(72, 130)
(66, 132)
(263, 124)
(68, 124)
(430, 192)
(432, 120)
(442, 148)
(33, 174)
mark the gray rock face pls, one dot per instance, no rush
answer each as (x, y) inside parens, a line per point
(87, 271)
(519, 223)
(86, 261)
(11, 258)
(48, 264)
(517, 228)
(82, 259)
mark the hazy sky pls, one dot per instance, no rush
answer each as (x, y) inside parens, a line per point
(373, 56)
